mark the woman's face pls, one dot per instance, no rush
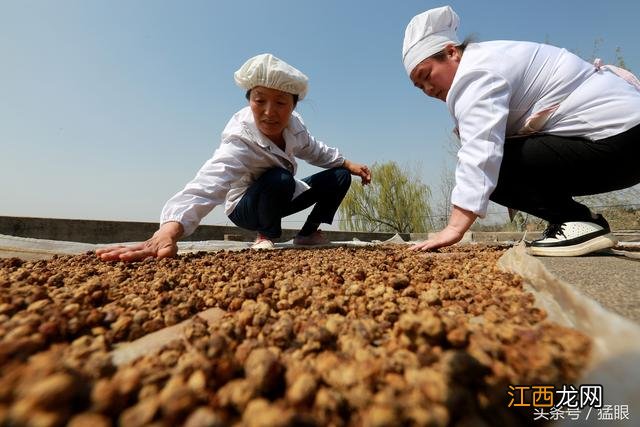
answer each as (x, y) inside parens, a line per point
(271, 109)
(434, 76)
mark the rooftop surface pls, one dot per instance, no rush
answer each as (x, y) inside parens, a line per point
(611, 280)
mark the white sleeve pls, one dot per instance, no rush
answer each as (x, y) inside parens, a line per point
(209, 188)
(318, 153)
(480, 107)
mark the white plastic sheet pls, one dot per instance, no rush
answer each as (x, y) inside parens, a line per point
(615, 359)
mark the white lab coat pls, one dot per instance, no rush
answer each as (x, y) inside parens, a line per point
(499, 84)
(242, 157)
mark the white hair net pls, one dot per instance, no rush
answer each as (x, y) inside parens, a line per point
(268, 71)
(428, 33)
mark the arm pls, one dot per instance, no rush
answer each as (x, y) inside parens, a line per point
(209, 187)
(311, 150)
(479, 101)
(459, 223)
(183, 212)
(480, 104)
(163, 244)
(319, 154)
(357, 169)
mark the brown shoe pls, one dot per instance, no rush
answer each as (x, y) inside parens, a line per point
(313, 239)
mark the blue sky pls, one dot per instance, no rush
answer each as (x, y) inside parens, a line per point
(107, 108)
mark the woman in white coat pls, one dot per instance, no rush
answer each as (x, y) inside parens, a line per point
(252, 171)
(537, 126)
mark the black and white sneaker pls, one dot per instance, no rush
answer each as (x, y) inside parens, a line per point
(574, 238)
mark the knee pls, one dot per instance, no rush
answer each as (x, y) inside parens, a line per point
(507, 196)
(498, 196)
(277, 175)
(343, 178)
(279, 178)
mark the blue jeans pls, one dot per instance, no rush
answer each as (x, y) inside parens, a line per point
(268, 200)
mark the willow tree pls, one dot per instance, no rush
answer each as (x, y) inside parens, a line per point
(396, 200)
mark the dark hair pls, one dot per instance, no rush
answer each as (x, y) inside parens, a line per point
(295, 97)
(440, 56)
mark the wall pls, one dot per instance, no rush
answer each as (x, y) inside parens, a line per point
(92, 231)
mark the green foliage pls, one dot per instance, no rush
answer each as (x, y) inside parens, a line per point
(620, 59)
(396, 200)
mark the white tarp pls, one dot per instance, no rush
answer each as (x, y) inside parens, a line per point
(27, 248)
(615, 361)
(615, 358)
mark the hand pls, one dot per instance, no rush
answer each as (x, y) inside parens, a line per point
(448, 236)
(459, 222)
(163, 244)
(360, 170)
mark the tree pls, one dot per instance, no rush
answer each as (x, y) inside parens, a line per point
(396, 200)
(447, 182)
(443, 205)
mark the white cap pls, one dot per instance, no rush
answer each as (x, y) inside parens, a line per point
(428, 33)
(268, 71)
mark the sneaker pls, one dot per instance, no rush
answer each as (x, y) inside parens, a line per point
(574, 238)
(313, 239)
(262, 242)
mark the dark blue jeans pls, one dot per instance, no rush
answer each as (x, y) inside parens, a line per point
(268, 200)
